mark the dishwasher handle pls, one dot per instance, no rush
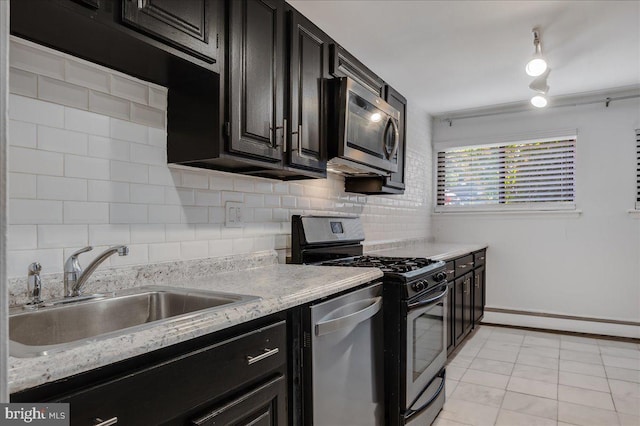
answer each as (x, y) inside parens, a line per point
(330, 326)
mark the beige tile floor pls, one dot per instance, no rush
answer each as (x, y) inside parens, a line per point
(511, 377)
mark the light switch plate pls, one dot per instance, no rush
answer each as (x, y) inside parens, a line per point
(234, 214)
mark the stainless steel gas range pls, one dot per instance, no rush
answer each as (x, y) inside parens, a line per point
(414, 313)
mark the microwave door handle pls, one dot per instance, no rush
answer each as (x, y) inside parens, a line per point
(396, 138)
(391, 126)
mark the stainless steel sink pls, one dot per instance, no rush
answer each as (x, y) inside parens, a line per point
(63, 326)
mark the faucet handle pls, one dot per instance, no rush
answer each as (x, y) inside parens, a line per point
(82, 250)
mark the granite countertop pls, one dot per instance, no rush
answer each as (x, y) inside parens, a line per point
(435, 251)
(279, 286)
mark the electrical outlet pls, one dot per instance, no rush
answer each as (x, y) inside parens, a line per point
(234, 214)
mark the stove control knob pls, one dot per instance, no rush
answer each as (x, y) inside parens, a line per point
(419, 285)
(440, 276)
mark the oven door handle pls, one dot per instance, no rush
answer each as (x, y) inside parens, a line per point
(411, 411)
(329, 326)
(425, 302)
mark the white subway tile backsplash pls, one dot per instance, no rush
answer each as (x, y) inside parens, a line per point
(253, 200)
(219, 181)
(195, 215)
(264, 187)
(85, 212)
(138, 254)
(158, 97)
(22, 134)
(281, 188)
(61, 236)
(61, 188)
(86, 167)
(148, 116)
(148, 233)
(28, 58)
(128, 213)
(180, 232)
(272, 201)
(195, 180)
(263, 215)
(164, 252)
(104, 190)
(217, 214)
(194, 249)
(129, 172)
(60, 140)
(32, 212)
(147, 194)
(109, 105)
(34, 161)
(243, 185)
(22, 185)
(129, 89)
(288, 201)
(86, 76)
(232, 196)
(243, 245)
(35, 111)
(176, 196)
(22, 237)
(207, 198)
(19, 260)
(165, 214)
(157, 137)
(23, 83)
(147, 154)
(102, 147)
(102, 235)
(207, 231)
(60, 92)
(87, 122)
(220, 247)
(127, 131)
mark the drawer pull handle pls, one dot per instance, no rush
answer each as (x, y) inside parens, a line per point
(470, 264)
(99, 422)
(266, 354)
(462, 266)
(450, 271)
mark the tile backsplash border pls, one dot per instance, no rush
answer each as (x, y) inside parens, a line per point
(95, 173)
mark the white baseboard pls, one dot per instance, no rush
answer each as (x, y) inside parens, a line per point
(562, 324)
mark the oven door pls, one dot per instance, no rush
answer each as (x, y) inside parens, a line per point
(426, 340)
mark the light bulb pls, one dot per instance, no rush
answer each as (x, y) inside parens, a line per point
(536, 66)
(539, 101)
(375, 117)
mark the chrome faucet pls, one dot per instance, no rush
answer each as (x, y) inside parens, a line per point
(34, 286)
(75, 277)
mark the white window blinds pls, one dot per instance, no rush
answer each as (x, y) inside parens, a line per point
(533, 173)
(638, 169)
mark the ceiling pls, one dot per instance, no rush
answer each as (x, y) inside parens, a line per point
(455, 55)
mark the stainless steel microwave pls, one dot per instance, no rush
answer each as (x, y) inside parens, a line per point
(363, 130)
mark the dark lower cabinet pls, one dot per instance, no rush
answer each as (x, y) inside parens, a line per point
(240, 380)
(467, 296)
(255, 79)
(189, 25)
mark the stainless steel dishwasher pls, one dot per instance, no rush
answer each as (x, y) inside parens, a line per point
(343, 358)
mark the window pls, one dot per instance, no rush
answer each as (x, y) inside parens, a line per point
(638, 169)
(537, 175)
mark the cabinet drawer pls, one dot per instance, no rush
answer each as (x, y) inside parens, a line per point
(479, 257)
(463, 265)
(164, 391)
(450, 270)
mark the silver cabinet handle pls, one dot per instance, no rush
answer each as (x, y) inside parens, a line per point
(266, 354)
(299, 141)
(477, 283)
(470, 263)
(329, 326)
(463, 266)
(99, 422)
(450, 271)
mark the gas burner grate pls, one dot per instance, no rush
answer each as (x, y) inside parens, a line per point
(386, 264)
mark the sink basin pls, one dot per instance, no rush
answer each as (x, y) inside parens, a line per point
(60, 327)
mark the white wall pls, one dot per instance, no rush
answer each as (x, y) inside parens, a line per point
(4, 84)
(585, 265)
(88, 166)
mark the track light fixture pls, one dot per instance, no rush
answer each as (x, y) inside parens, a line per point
(537, 64)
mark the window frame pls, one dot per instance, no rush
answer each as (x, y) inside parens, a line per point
(637, 204)
(554, 206)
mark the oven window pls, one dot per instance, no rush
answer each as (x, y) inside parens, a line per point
(427, 338)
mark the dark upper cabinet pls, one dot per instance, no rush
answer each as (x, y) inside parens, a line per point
(344, 64)
(308, 71)
(255, 79)
(188, 25)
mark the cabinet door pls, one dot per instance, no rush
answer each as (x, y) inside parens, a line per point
(451, 317)
(478, 294)
(309, 67)
(399, 102)
(458, 309)
(190, 25)
(343, 64)
(255, 76)
(262, 406)
(467, 315)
